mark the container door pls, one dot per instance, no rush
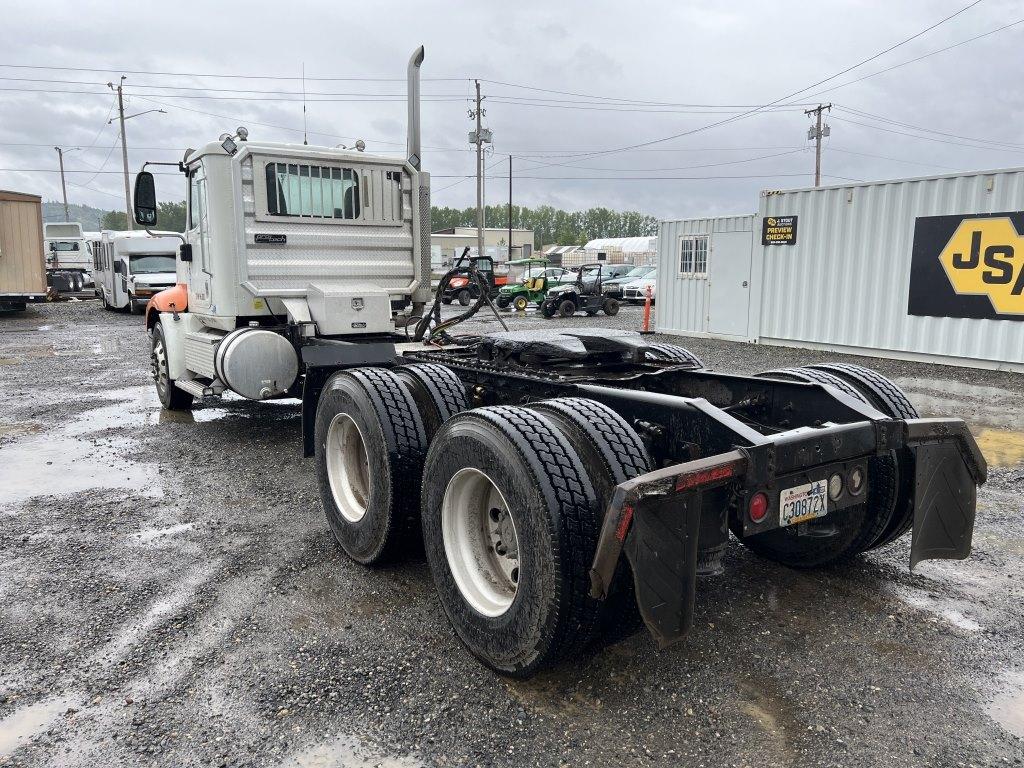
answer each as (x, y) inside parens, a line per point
(729, 272)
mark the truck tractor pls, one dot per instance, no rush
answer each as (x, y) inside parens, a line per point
(68, 258)
(568, 486)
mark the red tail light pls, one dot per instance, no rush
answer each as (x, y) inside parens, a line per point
(758, 507)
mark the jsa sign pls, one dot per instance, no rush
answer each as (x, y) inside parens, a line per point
(968, 266)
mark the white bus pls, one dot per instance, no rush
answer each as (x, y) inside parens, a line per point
(130, 267)
(68, 258)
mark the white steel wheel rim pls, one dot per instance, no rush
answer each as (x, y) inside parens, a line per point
(480, 542)
(348, 467)
(160, 367)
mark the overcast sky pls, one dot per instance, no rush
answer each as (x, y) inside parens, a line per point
(624, 63)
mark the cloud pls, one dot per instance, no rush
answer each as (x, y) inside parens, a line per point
(693, 53)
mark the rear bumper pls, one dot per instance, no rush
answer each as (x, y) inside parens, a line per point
(655, 518)
(22, 298)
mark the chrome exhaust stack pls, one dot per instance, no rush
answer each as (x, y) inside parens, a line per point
(413, 153)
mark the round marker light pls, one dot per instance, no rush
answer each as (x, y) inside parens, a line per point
(835, 486)
(758, 507)
(856, 481)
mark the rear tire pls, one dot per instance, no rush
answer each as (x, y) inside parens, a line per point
(611, 307)
(510, 466)
(438, 392)
(446, 301)
(171, 398)
(612, 452)
(370, 445)
(887, 397)
(853, 530)
(673, 353)
(567, 308)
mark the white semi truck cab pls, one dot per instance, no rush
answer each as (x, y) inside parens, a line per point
(67, 254)
(288, 246)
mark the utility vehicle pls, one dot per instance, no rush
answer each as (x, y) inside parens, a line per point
(464, 290)
(565, 485)
(584, 293)
(537, 278)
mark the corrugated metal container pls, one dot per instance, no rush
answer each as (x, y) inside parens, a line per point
(845, 283)
(684, 298)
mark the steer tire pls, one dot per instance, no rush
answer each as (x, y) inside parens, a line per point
(373, 516)
(464, 297)
(612, 452)
(502, 301)
(438, 392)
(542, 481)
(673, 353)
(171, 398)
(520, 303)
(887, 397)
(548, 309)
(567, 308)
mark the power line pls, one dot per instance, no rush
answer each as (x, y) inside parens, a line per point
(930, 164)
(794, 93)
(118, 70)
(682, 167)
(926, 138)
(645, 178)
(885, 119)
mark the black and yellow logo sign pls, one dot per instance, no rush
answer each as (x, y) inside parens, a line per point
(778, 230)
(968, 266)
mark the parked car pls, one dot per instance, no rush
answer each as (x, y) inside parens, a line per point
(636, 291)
(614, 286)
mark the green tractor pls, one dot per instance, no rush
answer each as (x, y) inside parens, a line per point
(533, 279)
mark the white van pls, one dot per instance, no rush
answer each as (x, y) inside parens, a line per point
(133, 266)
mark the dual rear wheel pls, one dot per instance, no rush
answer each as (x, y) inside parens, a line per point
(509, 502)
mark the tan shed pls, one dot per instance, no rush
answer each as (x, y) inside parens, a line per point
(22, 268)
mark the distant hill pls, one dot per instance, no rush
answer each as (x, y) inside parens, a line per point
(86, 215)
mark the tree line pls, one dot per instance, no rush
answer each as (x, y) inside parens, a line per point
(550, 225)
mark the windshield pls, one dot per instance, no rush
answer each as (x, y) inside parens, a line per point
(150, 263)
(64, 245)
(638, 272)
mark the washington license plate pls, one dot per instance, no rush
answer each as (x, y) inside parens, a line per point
(803, 502)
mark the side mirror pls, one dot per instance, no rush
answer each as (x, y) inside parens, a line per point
(145, 200)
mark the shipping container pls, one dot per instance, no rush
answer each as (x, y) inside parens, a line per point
(927, 268)
(704, 268)
(22, 266)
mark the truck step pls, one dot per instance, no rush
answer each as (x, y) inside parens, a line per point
(198, 389)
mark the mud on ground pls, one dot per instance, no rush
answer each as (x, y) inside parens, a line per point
(170, 595)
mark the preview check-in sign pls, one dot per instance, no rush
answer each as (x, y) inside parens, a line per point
(968, 266)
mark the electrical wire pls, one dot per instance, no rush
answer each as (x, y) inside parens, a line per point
(889, 120)
(925, 138)
(110, 70)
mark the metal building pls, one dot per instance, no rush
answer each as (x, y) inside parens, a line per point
(704, 277)
(928, 268)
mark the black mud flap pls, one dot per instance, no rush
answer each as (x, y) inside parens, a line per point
(662, 548)
(945, 495)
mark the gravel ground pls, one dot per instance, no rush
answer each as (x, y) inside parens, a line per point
(170, 595)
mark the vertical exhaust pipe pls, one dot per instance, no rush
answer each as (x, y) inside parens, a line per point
(414, 108)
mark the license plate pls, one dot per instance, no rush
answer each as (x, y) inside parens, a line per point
(803, 502)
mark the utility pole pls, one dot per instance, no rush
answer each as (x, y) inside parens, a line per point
(63, 185)
(816, 133)
(479, 177)
(124, 152)
(510, 207)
